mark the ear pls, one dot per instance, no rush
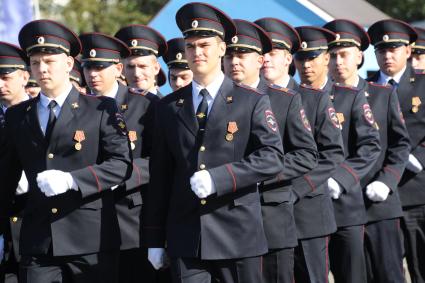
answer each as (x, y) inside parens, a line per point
(69, 63)
(222, 48)
(260, 60)
(25, 77)
(408, 50)
(156, 66)
(119, 67)
(326, 58)
(359, 57)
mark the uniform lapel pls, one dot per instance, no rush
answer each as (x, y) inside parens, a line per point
(122, 98)
(186, 112)
(32, 119)
(61, 127)
(219, 104)
(405, 85)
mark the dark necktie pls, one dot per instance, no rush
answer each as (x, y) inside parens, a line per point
(51, 121)
(202, 111)
(392, 82)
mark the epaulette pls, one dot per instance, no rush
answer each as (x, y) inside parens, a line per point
(340, 85)
(284, 90)
(311, 88)
(138, 91)
(248, 88)
(379, 85)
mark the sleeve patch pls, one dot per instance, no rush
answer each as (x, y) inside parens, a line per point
(368, 115)
(334, 118)
(271, 120)
(305, 121)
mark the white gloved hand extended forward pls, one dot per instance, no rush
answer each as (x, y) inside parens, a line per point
(413, 164)
(202, 184)
(157, 257)
(55, 182)
(377, 191)
(334, 189)
(22, 185)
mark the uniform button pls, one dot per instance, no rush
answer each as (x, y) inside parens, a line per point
(14, 219)
(202, 148)
(54, 210)
(50, 155)
(202, 166)
(203, 202)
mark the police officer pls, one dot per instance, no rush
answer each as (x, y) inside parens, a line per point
(392, 39)
(383, 248)
(277, 62)
(179, 73)
(362, 149)
(13, 79)
(314, 213)
(73, 149)
(418, 50)
(142, 67)
(242, 63)
(214, 141)
(76, 76)
(102, 56)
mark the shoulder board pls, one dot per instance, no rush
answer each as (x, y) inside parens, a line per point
(310, 88)
(248, 88)
(283, 90)
(420, 71)
(338, 85)
(137, 91)
(379, 85)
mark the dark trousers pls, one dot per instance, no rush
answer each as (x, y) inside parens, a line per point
(312, 260)
(346, 255)
(9, 268)
(134, 267)
(194, 270)
(383, 251)
(92, 268)
(278, 266)
(413, 225)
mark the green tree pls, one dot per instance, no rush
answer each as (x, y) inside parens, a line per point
(105, 16)
(405, 10)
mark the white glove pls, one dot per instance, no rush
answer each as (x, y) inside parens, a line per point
(414, 165)
(55, 182)
(377, 191)
(1, 248)
(202, 184)
(157, 257)
(114, 187)
(334, 188)
(22, 185)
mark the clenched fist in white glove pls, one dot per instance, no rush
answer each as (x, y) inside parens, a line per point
(202, 184)
(377, 191)
(157, 257)
(413, 164)
(22, 185)
(55, 182)
(334, 189)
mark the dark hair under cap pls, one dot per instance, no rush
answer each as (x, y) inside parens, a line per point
(283, 35)
(200, 19)
(391, 33)
(142, 40)
(249, 38)
(348, 33)
(48, 36)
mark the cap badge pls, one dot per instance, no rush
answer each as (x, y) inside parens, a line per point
(40, 40)
(195, 23)
(235, 39)
(385, 37)
(337, 36)
(304, 45)
(179, 56)
(92, 53)
(134, 42)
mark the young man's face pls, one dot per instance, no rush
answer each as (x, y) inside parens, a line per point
(101, 80)
(314, 69)
(204, 54)
(392, 60)
(141, 71)
(418, 61)
(12, 85)
(243, 67)
(344, 62)
(179, 78)
(51, 71)
(276, 65)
